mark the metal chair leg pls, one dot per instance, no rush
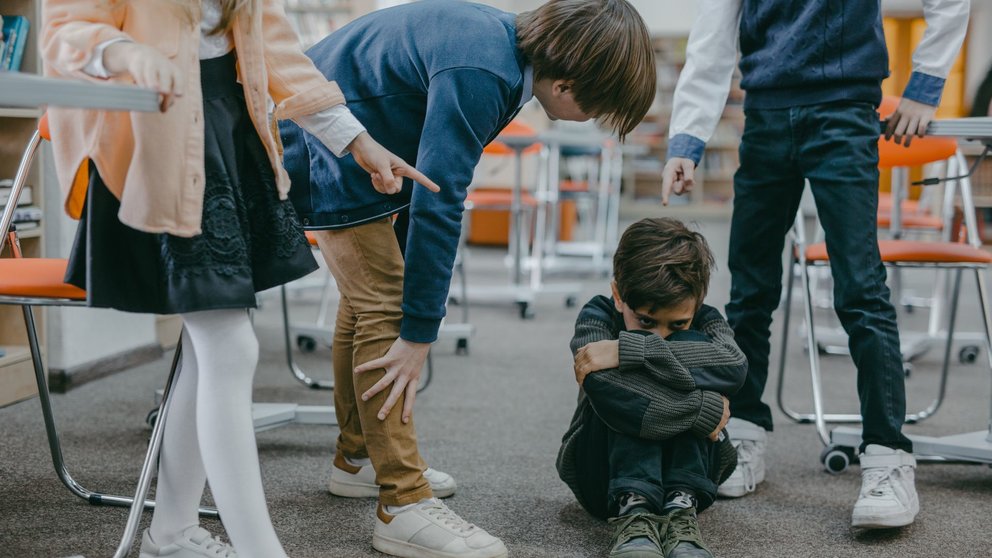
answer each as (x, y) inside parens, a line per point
(294, 368)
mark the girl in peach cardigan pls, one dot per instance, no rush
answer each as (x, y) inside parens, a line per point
(185, 212)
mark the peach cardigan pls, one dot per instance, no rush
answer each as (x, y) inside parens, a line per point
(153, 162)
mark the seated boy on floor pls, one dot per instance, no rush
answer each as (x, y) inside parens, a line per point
(646, 446)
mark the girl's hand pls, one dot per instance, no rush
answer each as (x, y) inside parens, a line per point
(148, 67)
(387, 170)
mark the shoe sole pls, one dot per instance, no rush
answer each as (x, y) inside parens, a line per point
(404, 549)
(893, 522)
(352, 490)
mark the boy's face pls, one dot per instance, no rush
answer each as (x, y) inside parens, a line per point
(662, 321)
(557, 100)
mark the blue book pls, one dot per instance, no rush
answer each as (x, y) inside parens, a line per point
(15, 37)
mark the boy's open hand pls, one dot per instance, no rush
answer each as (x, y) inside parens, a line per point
(387, 170)
(148, 67)
(911, 118)
(596, 356)
(677, 177)
(715, 435)
(403, 362)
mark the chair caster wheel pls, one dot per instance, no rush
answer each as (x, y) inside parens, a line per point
(907, 369)
(836, 459)
(525, 311)
(151, 417)
(968, 354)
(306, 343)
(461, 346)
(570, 302)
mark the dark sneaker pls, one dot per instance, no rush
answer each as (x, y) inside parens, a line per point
(682, 540)
(638, 535)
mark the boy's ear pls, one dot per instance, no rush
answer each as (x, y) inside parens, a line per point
(561, 87)
(617, 301)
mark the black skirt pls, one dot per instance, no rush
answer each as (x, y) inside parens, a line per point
(251, 240)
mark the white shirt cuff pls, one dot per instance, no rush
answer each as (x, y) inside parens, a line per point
(335, 127)
(95, 65)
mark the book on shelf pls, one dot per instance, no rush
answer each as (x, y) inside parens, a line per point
(5, 191)
(15, 37)
(27, 214)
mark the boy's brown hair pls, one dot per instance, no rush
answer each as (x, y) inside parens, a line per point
(660, 263)
(603, 46)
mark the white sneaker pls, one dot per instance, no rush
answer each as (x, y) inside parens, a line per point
(430, 530)
(194, 542)
(888, 491)
(750, 441)
(351, 481)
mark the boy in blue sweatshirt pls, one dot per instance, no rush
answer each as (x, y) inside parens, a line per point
(812, 74)
(434, 81)
(655, 366)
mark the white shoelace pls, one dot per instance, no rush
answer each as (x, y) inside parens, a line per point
(877, 482)
(745, 455)
(448, 518)
(219, 548)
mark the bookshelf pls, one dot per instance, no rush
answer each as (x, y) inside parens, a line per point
(16, 127)
(713, 190)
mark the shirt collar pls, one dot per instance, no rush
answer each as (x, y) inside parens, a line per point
(528, 90)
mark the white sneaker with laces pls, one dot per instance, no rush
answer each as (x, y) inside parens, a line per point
(888, 490)
(194, 542)
(430, 530)
(351, 481)
(750, 441)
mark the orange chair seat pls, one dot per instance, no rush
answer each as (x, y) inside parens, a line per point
(911, 221)
(480, 199)
(311, 238)
(37, 278)
(907, 251)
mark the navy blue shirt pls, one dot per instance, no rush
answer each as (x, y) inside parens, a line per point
(433, 82)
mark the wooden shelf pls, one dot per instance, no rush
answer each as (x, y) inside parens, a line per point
(17, 381)
(14, 354)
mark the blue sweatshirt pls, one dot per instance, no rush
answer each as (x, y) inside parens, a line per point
(433, 82)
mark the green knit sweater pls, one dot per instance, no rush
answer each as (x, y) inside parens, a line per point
(663, 387)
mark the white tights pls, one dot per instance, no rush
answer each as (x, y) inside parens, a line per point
(209, 435)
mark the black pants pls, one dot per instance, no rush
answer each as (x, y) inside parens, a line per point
(835, 147)
(612, 464)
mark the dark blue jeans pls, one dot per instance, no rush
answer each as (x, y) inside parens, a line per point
(612, 464)
(835, 147)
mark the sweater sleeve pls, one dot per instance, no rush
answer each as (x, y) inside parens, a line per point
(634, 400)
(464, 109)
(705, 356)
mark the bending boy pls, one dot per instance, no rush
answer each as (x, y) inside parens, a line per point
(435, 82)
(655, 366)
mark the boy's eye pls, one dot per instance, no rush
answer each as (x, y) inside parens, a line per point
(680, 325)
(646, 323)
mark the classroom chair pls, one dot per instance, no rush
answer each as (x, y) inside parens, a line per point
(29, 282)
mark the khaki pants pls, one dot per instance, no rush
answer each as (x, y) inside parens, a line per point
(368, 267)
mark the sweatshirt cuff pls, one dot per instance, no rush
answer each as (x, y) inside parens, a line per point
(710, 414)
(686, 147)
(419, 330)
(631, 348)
(924, 88)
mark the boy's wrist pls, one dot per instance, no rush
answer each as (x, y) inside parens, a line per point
(710, 414)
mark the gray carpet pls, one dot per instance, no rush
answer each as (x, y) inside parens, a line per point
(494, 419)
